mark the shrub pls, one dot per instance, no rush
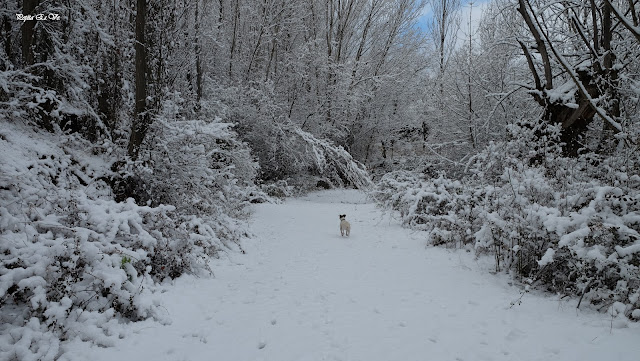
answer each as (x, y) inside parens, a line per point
(74, 262)
(571, 225)
(284, 151)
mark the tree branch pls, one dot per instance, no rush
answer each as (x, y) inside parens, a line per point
(632, 9)
(540, 45)
(532, 67)
(634, 29)
(583, 91)
(594, 20)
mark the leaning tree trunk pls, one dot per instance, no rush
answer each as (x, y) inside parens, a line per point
(574, 121)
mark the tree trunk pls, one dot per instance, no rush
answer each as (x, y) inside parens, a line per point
(28, 8)
(6, 34)
(141, 119)
(443, 38)
(236, 20)
(611, 81)
(472, 137)
(574, 121)
(425, 134)
(197, 51)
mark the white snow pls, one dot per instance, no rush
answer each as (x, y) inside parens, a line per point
(302, 292)
(547, 258)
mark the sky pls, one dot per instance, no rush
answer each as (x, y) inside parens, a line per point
(476, 14)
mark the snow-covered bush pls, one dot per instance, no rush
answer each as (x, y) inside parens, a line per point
(571, 225)
(72, 259)
(436, 205)
(74, 262)
(283, 149)
(279, 189)
(201, 168)
(391, 188)
(330, 162)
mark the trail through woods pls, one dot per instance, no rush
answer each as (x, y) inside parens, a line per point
(302, 292)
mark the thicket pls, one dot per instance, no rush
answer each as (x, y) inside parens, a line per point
(76, 261)
(288, 155)
(570, 225)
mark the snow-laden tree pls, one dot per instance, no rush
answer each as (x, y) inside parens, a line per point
(579, 67)
(327, 66)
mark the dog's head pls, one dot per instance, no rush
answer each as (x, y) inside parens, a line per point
(342, 217)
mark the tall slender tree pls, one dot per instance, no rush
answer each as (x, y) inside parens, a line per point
(142, 118)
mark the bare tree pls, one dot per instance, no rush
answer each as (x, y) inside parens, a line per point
(444, 28)
(631, 25)
(593, 72)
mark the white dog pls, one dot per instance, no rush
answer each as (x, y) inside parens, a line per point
(345, 227)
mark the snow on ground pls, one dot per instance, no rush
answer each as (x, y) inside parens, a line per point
(304, 293)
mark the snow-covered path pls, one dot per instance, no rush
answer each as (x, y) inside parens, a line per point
(304, 293)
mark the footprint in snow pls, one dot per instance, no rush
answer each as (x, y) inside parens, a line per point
(514, 334)
(199, 336)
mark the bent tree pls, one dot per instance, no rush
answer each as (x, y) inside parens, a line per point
(575, 53)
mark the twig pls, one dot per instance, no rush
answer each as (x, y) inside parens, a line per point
(584, 291)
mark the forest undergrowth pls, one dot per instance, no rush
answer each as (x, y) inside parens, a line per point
(568, 225)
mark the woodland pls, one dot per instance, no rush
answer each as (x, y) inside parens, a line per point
(135, 135)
